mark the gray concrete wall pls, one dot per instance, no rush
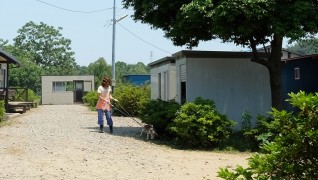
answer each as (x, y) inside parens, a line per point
(63, 97)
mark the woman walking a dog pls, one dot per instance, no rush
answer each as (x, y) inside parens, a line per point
(104, 105)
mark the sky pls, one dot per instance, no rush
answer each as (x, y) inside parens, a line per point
(91, 33)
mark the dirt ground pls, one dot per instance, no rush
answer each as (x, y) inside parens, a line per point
(62, 142)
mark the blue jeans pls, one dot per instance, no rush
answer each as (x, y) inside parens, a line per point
(108, 116)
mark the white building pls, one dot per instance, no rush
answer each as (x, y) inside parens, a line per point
(65, 89)
(163, 79)
(230, 79)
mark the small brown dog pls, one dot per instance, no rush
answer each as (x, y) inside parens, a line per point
(149, 130)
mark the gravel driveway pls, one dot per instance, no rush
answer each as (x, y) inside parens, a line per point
(62, 142)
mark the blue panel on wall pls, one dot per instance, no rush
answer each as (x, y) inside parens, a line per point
(137, 80)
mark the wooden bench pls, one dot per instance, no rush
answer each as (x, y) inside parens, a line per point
(29, 104)
(18, 108)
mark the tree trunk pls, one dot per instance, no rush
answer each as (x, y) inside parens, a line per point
(274, 68)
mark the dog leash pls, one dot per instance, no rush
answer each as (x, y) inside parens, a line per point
(126, 113)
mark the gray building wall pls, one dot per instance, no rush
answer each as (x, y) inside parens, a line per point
(63, 97)
(168, 82)
(230, 79)
(235, 85)
(167, 69)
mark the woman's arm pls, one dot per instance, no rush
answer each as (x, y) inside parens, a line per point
(111, 97)
(101, 97)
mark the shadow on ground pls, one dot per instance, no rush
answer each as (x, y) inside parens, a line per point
(133, 132)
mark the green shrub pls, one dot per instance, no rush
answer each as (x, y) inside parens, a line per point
(160, 114)
(246, 123)
(292, 152)
(199, 124)
(260, 134)
(130, 99)
(32, 96)
(2, 110)
(91, 99)
(21, 95)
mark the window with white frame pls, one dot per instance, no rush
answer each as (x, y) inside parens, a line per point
(297, 73)
(60, 86)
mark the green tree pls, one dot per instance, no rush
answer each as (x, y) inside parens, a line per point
(305, 46)
(49, 49)
(99, 69)
(139, 68)
(28, 74)
(3, 42)
(80, 70)
(123, 69)
(243, 22)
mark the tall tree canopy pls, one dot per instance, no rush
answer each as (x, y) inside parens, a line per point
(28, 74)
(123, 69)
(49, 49)
(243, 22)
(99, 69)
(305, 46)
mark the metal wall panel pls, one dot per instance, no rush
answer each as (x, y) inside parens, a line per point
(235, 85)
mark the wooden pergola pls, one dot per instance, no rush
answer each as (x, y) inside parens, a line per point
(7, 59)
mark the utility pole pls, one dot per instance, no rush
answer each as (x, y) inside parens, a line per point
(113, 45)
(113, 48)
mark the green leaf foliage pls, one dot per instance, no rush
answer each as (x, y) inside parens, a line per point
(90, 99)
(160, 114)
(2, 110)
(130, 99)
(199, 124)
(28, 74)
(292, 151)
(47, 48)
(22, 93)
(246, 23)
(99, 69)
(305, 46)
(259, 134)
(243, 22)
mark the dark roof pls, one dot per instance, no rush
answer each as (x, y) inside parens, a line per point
(8, 58)
(214, 54)
(203, 54)
(312, 56)
(165, 60)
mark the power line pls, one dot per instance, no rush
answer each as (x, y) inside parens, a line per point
(144, 40)
(77, 11)
(95, 11)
